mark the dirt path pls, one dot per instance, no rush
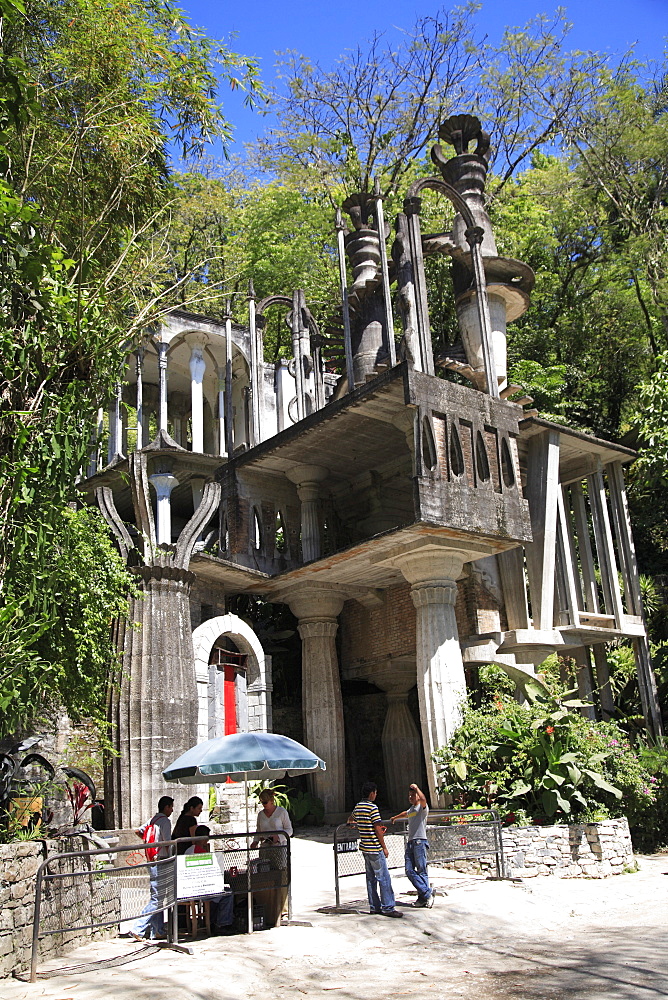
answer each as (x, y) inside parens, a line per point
(544, 939)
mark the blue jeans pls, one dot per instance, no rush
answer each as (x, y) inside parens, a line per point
(151, 923)
(416, 867)
(378, 874)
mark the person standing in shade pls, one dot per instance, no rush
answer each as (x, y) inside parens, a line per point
(366, 817)
(187, 822)
(417, 846)
(151, 923)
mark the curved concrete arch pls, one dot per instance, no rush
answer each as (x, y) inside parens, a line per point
(258, 676)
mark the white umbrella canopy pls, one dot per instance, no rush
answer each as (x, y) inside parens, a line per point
(242, 756)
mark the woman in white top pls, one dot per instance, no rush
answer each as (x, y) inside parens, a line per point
(272, 832)
(270, 819)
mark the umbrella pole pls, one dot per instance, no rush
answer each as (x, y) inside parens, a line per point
(248, 860)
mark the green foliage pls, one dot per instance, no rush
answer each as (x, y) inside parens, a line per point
(66, 663)
(303, 805)
(300, 804)
(275, 234)
(546, 763)
(281, 796)
(90, 96)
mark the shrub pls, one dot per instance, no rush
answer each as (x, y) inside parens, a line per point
(544, 763)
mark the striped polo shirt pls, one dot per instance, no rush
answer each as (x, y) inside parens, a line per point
(365, 815)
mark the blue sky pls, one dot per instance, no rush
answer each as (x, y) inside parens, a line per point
(323, 31)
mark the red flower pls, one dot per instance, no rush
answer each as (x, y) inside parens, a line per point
(549, 730)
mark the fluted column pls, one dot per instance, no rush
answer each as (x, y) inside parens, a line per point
(163, 484)
(432, 572)
(152, 703)
(307, 479)
(317, 610)
(197, 370)
(402, 750)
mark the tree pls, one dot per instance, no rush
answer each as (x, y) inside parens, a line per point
(85, 120)
(377, 110)
(274, 234)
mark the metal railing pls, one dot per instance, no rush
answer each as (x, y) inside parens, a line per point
(94, 890)
(454, 835)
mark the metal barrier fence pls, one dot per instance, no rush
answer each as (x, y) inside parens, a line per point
(98, 889)
(349, 860)
(466, 834)
(461, 834)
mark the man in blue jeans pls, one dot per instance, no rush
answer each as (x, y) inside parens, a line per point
(416, 848)
(152, 920)
(366, 817)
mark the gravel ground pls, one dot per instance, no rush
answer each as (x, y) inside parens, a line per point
(541, 939)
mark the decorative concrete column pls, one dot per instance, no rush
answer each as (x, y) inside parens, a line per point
(307, 479)
(432, 572)
(115, 449)
(197, 370)
(317, 609)
(220, 396)
(162, 385)
(153, 698)
(163, 483)
(401, 743)
(402, 749)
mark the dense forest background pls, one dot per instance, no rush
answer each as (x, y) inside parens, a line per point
(101, 235)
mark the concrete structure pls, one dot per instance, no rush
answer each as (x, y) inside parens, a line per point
(416, 526)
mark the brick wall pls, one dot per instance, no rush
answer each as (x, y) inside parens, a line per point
(372, 633)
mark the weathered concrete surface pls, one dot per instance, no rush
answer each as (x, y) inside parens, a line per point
(549, 939)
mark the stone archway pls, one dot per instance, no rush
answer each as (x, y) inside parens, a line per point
(258, 687)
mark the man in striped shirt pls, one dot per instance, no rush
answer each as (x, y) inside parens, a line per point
(366, 818)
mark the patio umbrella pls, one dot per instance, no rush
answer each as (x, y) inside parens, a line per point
(241, 756)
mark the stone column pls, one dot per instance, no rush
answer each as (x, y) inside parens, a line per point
(162, 383)
(317, 609)
(307, 479)
(152, 703)
(220, 395)
(197, 370)
(163, 484)
(115, 449)
(402, 747)
(432, 572)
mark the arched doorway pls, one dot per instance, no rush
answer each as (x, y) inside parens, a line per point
(233, 678)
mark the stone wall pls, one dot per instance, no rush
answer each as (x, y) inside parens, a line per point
(590, 850)
(84, 902)
(580, 850)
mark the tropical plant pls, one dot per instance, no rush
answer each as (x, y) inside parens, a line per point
(545, 760)
(303, 805)
(280, 792)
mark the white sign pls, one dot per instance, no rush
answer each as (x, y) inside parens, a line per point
(198, 875)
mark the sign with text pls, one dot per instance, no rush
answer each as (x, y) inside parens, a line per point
(198, 875)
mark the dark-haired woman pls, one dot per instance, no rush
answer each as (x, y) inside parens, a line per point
(186, 824)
